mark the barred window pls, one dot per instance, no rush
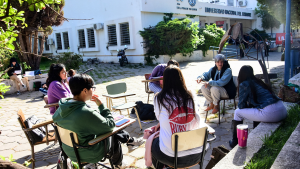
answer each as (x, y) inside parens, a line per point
(125, 37)
(46, 44)
(39, 43)
(81, 38)
(66, 40)
(112, 35)
(58, 41)
(91, 38)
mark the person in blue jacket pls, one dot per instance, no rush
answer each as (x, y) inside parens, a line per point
(221, 84)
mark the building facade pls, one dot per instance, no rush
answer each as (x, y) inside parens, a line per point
(102, 27)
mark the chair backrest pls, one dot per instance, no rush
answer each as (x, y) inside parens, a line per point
(21, 118)
(116, 88)
(189, 139)
(65, 137)
(147, 76)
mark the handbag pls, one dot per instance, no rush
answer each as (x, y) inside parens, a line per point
(288, 95)
(216, 155)
(35, 135)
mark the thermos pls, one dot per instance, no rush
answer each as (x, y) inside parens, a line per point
(242, 135)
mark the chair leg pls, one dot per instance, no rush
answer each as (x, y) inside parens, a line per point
(137, 115)
(120, 112)
(32, 157)
(126, 102)
(148, 98)
(206, 116)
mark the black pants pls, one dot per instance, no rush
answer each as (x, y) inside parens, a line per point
(123, 137)
(159, 159)
(267, 50)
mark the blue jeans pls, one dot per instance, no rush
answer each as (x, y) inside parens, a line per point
(159, 159)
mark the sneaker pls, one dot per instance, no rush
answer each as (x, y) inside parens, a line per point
(23, 86)
(123, 165)
(135, 144)
(18, 93)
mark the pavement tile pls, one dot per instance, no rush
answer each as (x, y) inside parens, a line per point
(140, 152)
(8, 146)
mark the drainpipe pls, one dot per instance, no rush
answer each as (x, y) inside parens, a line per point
(287, 42)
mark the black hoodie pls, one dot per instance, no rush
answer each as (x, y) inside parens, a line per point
(14, 67)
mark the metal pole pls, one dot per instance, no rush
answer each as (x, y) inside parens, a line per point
(287, 42)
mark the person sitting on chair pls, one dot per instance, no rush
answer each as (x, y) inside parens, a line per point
(174, 107)
(221, 85)
(73, 114)
(57, 86)
(257, 102)
(157, 72)
(13, 75)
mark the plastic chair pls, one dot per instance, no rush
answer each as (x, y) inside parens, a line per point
(188, 140)
(116, 91)
(234, 78)
(70, 139)
(48, 138)
(147, 90)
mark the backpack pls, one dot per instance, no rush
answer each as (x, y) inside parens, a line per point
(35, 135)
(145, 111)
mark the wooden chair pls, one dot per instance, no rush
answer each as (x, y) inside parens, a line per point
(147, 90)
(116, 91)
(70, 139)
(224, 99)
(188, 140)
(48, 138)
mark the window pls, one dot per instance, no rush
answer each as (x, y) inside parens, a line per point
(46, 44)
(91, 38)
(112, 35)
(66, 40)
(81, 38)
(125, 37)
(39, 43)
(58, 41)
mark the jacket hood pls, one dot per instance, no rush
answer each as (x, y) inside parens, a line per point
(68, 105)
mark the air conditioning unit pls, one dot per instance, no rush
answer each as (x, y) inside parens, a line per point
(50, 41)
(242, 2)
(98, 26)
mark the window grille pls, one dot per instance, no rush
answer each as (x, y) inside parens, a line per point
(91, 38)
(58, 41)
(66, 40)
(112, 35)
(125, 37)
(46, 44)
(81, 38)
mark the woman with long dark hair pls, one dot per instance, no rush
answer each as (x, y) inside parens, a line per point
(174, 107)
(57, 86)
(257, 102)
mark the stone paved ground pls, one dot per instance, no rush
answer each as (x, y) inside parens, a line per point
(13, 140)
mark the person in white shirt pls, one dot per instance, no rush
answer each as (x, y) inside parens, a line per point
(174, 107)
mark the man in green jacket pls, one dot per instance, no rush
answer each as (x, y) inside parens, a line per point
(74, 114)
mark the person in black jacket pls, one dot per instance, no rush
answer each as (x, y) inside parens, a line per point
(13, 74)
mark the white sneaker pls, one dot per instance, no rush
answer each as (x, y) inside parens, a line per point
(18, 93)
(24, 86)
(135, 144)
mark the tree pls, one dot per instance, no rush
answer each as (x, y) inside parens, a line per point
(268, 21)
(29, 21)
(277, 8)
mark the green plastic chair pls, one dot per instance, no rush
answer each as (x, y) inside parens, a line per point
(117, 91)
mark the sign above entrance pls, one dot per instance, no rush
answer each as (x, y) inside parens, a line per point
(228, 12)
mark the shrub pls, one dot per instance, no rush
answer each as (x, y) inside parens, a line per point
(70, 60)
(169, 37)
(211, 35)
(260, 34)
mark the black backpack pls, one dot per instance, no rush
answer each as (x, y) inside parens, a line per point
(145, 111)
(35, 135)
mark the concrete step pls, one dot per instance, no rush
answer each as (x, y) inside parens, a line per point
(289, 156)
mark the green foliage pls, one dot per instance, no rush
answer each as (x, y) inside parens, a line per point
(5, 56)
(168, 17)
(259, 34)
(277, 8)
(273, 144)
(268, 21)
(10, 159)
(211, 35)
(190, 16)
(26, 66)
(70, 60)
(3, 89)
(169, 38)
(9, 19)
